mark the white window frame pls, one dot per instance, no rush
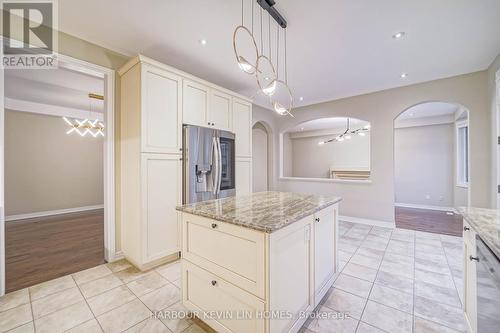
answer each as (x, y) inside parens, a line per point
(465, 164)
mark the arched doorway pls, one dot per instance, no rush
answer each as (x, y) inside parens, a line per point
(431, 167)
(261, 157)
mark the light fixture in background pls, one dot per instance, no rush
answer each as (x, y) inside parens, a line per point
(399, 35)
(86, 126)
(403, 75)
(347, 134)
(203, 41)
(301, 98)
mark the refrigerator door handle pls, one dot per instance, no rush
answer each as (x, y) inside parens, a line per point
(216, 166)
(219, 176)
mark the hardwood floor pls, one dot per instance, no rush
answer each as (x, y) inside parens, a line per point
(434, 221)
(42, 249)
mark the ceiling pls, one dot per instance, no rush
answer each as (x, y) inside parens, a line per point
(335, 48)
(327, 123)
(60, 87)
(431, 109)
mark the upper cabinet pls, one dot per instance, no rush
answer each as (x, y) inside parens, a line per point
(161, 111)
(219, 113)
(196, 97)
(242, 127)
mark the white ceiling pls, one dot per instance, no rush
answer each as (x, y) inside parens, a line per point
(327, 123)
(60, 87)
(431, 109)
(335, 48)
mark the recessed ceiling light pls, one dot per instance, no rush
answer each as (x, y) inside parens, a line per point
(203, 41)
(399, 35)
(302, 128)
(403, 75)
(411, 114)
(301, 98)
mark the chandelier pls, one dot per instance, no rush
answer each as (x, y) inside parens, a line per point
(86, 126)
(348, 133)
(254, 62)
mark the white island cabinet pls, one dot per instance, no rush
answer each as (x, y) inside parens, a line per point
(260, 262)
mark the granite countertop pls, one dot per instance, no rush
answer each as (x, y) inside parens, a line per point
(263, 211)
(486, 223)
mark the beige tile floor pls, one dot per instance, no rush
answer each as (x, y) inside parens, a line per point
(391, 280)
(395, 280)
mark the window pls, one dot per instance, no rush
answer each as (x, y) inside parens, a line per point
(462, 154)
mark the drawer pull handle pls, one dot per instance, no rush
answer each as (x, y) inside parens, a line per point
(317, 219)
(473, 258)
(214, 282)
(214, 225)
(466, 228)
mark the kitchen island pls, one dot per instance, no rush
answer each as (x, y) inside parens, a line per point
(260, 262)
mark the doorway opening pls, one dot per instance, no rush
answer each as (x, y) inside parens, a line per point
(431, 164)
(261, 157)
(59, 172)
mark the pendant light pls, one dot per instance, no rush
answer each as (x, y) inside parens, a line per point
(86, 126)
(347, 134)
(282, 98)
(266, 74)
(245, 57)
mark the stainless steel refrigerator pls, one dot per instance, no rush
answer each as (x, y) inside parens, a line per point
(208, 157)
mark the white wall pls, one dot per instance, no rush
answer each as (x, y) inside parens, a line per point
(311, 160)
(46, 169)
(259, 158)
(494, 103)
(424, 165)
(375, 200)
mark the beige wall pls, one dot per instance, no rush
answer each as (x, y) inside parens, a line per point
(46, 169)
(376, 199)
(259, 158)
(424, 164)
(311, 160)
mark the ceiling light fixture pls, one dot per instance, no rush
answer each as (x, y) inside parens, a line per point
(260, 65)
(203, 41)
(301, 98)
(399, 35)
(347, 134)
(403, 75)
(86, 126)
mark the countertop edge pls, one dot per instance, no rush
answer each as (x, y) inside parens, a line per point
(254, 227)
(492, 245)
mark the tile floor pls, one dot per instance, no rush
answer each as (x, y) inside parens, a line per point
(391, 280)
(113, 297)
(395, 280)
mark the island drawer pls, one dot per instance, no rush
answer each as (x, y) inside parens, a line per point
(219, 303)
(237, 254)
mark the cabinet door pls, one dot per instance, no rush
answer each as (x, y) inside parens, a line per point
(195, 103)
(161, 193)
(242, 127)
(290, 274)
(219, 113)
(243, 176)
(161, 111)
(470, 279)
(324, 251)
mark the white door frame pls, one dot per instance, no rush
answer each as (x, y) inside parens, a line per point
(497, 145)
(108, 75)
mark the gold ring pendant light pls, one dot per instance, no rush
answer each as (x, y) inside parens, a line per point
(267, 77)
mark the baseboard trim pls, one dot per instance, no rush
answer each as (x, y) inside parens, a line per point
(440, 208)
(117, 256)
(51, 212)
(360, 220)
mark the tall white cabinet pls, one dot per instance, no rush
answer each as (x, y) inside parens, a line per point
(156, 100)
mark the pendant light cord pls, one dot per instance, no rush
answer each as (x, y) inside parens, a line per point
(278, 53)
(252, 14)
(261, 35)
(242, 12)
(269, 33)
(286, 67)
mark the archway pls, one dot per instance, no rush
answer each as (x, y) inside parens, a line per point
(262, 156)
(431, 167)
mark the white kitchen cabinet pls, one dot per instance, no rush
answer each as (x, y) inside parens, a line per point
(155, 101)
(325, 242)
(243, 175)
(161, 111)
(470, 278)
(195, 104)
(219, 112)
(161, 193)
(242, 127)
